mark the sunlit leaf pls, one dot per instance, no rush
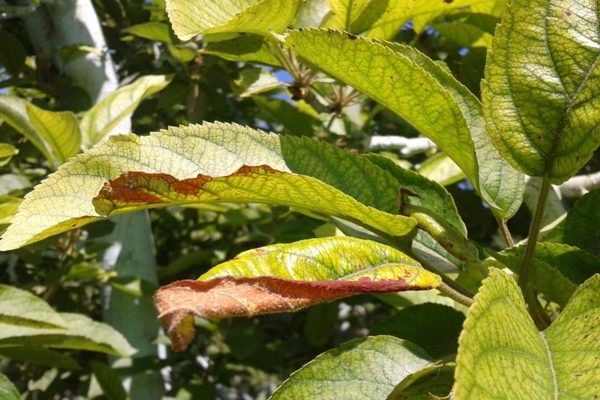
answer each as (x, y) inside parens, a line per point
(8, 391)
(208, 163)
(21, 308)
(500, 338)
(425, 95)
(541, 91)
(441, 169)
(117, 106)
(288, 277)
(7, 151)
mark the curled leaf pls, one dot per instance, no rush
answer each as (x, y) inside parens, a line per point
(287, 277)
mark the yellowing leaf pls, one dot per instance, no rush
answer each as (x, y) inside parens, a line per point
(288, 277)
(185, 165)
(217, 16)
(503, 356)
(425, 95)
(541, 91)
(105, 115)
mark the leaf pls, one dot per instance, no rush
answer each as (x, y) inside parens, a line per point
(428, 384)
(80, 333)
(422, 192)
(156, 31)
(208, 163)
(8, 391)
(321, 322)
(21, 308)
(421, 324)
(37, 355)
(12, 53)
(582, 226)
(312, 13)
(105, 115)
(426, 96)
(55, 134)
(244, 47)
(346, 12)
(254, 81)
(8, 208)
(441, 169)
(109, 381)
(294, 119)
(367, 368)
(556, 269)
(212, 16)
(500, 345)
(287, 277)
(7, 151)
(540, 93)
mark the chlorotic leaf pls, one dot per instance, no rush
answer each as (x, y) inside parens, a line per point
(287, 277)
(367, 368)
(211, 16)
(114, 108)
(500, 345)
(55, 134)
(8, 391)
(21, 308)
(79, 333)
(208, 163)
(541, 91)
(425, 95)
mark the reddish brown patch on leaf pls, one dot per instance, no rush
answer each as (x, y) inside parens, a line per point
(230, 297)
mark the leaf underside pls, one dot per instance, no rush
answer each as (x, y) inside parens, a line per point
(287, 277)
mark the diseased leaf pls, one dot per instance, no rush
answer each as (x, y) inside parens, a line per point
(500, 338)
(21, 308)
(240, 164)
(541, 90)
(80, 333)
(367, 368)
(55, 134)
(582, 226)
(425, 95)
(105, 115)
(288, 277)
(8, 391)
(211, 16)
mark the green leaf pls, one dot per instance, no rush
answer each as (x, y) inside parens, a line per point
(8, 391)
(425, 95)
(8, 208)
(208, 163)
(321, 322)
(500, 346)
(156, 31)
(288, 277)
(55, 134)
(21, 308)
(556, 269)
(254, 81)
(80, 333)
(428, 384)
(421, 324)
(12, 53)
(7, 151)
(114, 108)
(367, 368)
(212, 16)
(244, 47)
(441, 169)
(582, 226)
(312, 13)
(37, 355)
(540, 93)
(346, 12)
(422, 192)
(296, 118)
(109, 381)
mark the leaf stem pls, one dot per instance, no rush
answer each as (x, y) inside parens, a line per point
(534, 230)
(447, 290)
(510, 242)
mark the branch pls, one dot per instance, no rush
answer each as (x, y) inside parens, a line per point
(579, 185)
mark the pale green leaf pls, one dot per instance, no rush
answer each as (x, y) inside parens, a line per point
(368, 368)
(21, 308)
(105, 115)
(211, 16)
(36, 355)
(312, 13)
(296, 118)
(7, 151)
(441, 169)
(500, 346)
(156, 31)
(80, 333)
(541, 88)
(208, 163)
(8, 391)
(55, 134)
(425, 95)
(8, 208)
(254, 81)
(346, 12)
